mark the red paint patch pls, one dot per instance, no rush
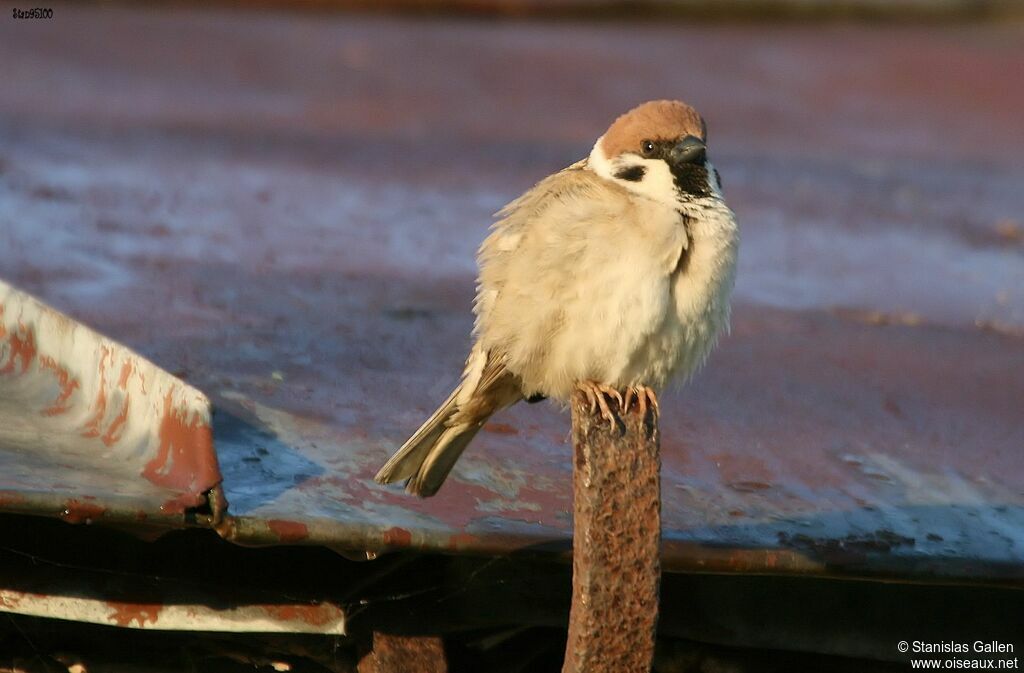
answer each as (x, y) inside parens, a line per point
(117, 425)
(92, 426)
(397, 537)
(126, 371)
(501, 429)
(64, 380)
(185, 460)
(23, 346)
(288, 531)
(180, 503)
(76, 511)
(141, 613)
(315, 615)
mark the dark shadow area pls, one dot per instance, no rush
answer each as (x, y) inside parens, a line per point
(256, 465)
(478, 604)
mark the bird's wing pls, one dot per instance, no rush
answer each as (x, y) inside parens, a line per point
(515, 219)
(529, 262)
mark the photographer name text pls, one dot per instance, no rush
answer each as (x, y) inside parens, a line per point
(954, 647)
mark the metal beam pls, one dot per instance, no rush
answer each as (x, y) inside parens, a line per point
(616, 540)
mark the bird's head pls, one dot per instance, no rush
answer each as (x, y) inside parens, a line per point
(658, 150)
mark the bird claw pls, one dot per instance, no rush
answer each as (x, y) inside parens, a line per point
(645, 398)
(627, 398)
(596, 394)
(591, 397)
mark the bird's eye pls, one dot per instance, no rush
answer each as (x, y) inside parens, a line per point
(647, 147)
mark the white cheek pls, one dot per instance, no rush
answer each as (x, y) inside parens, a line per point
(657, 182)
(599, 162)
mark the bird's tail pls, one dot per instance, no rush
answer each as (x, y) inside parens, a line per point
(428, 456)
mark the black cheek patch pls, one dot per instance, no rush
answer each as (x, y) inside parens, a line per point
(633, 173)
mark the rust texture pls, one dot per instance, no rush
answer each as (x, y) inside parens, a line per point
(291, 228)
(402, 654)
(90, 423)
(616, 538)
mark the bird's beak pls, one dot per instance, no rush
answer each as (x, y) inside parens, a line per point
(689, 150)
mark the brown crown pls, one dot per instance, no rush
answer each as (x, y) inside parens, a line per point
(655, 120)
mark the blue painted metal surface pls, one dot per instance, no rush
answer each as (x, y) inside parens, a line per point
(295, 238)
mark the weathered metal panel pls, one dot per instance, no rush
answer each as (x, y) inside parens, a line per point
(90, 430)
(323, 618)
(297, 241)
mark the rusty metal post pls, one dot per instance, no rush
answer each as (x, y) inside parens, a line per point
(616, 566)
(399, 654)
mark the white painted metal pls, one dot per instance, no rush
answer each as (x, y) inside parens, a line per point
(325, 618)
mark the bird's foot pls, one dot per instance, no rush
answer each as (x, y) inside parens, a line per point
(645, 397)
(596, 394)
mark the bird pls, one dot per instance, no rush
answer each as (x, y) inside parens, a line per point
(611, 276)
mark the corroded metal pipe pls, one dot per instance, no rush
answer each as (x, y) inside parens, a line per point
(616, 540)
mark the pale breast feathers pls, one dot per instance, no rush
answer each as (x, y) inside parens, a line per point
(551, 300)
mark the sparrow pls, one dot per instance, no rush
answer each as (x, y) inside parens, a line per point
(611, 276)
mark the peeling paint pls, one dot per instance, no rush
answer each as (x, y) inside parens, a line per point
(396, 536)
(315, 615)
(67, 384)
(113, 432)
(184, 456)
(92, 426)
(76, 511)
(180, 503)
(139, 614)
(108, 415)
(97, 608)
(20, 346)
(288, 531)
